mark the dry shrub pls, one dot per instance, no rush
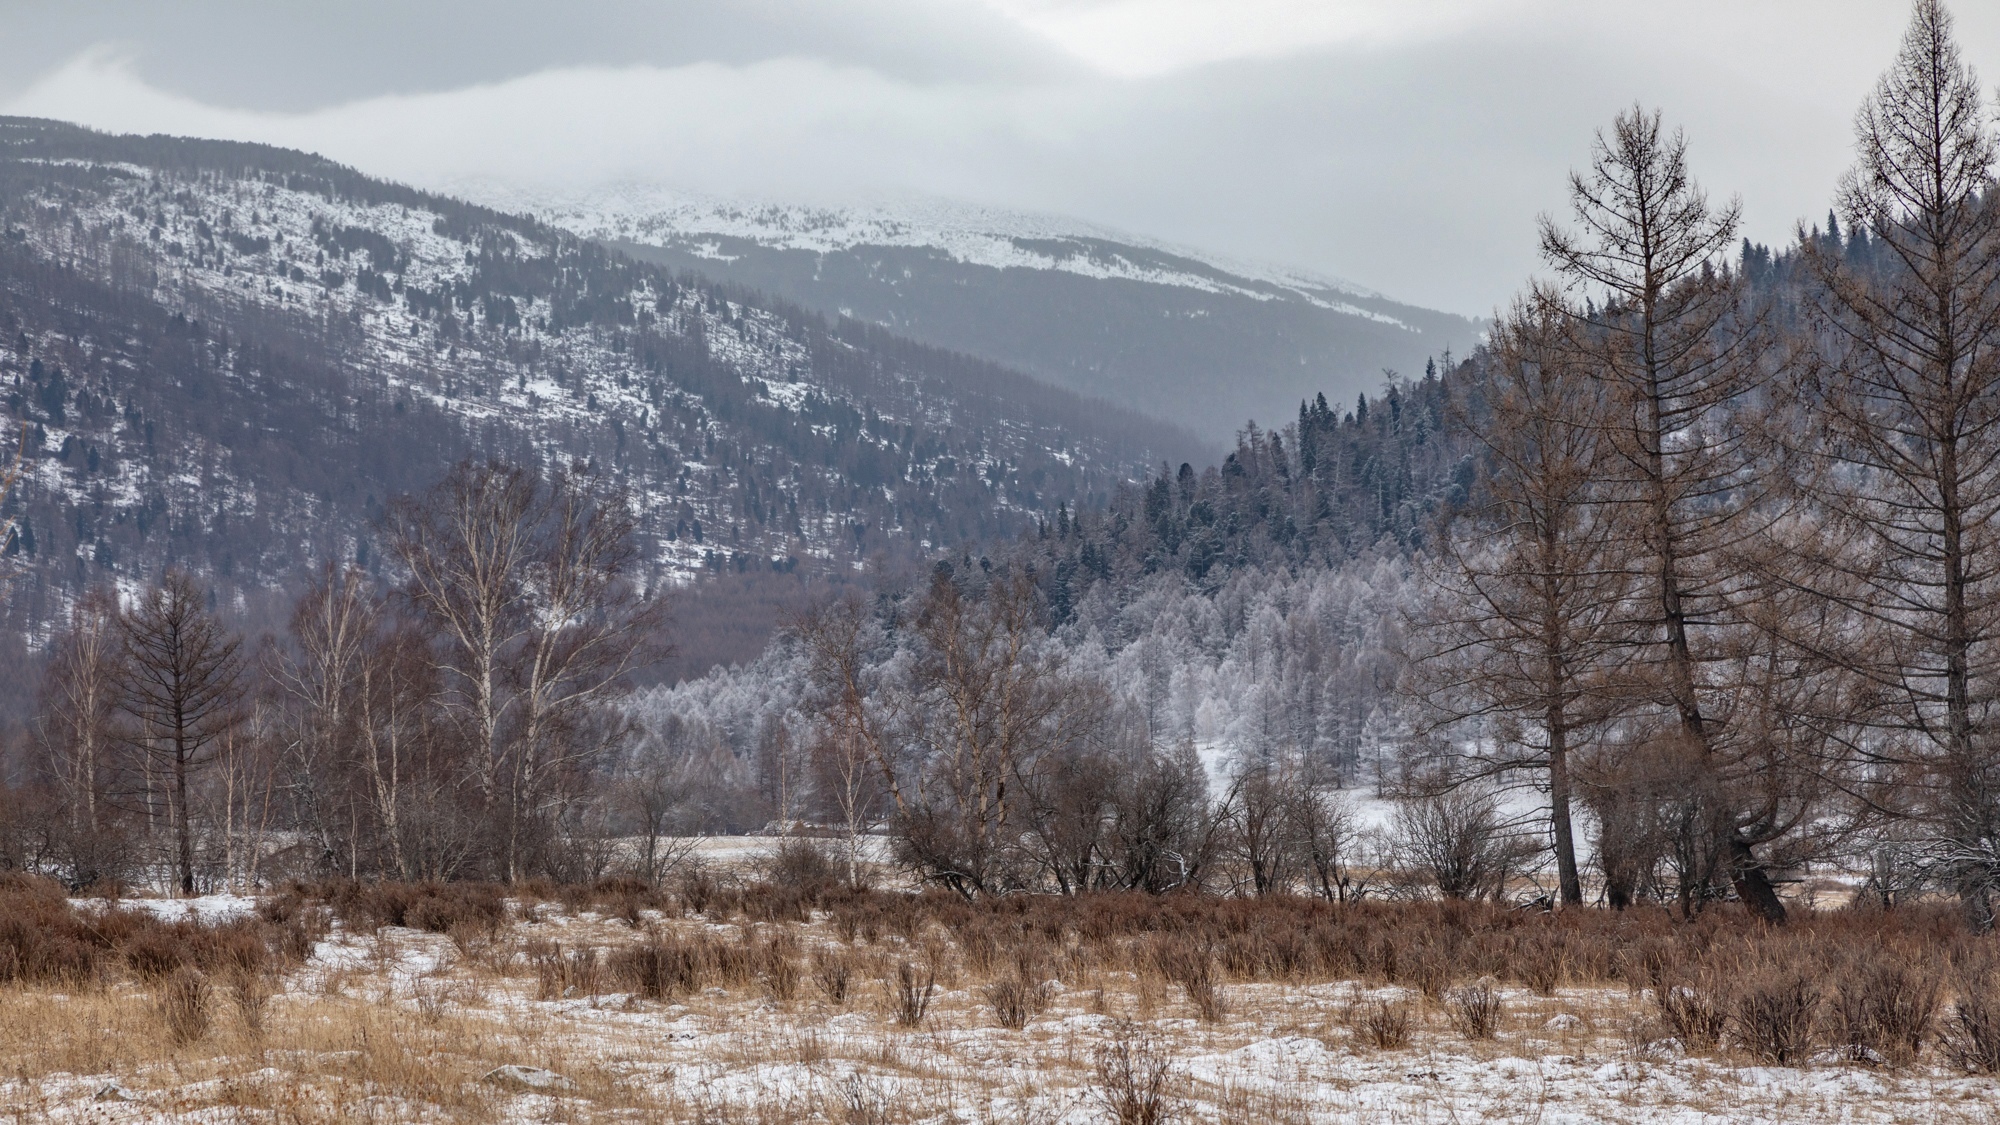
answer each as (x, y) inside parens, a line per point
(778, 957)
(1971, 1037)
(1429, 967)
(300, 923)
(697, 887)
(1016, 1000)
(1888, 1006)
(1382, 1024)
(1542, 961)
(1189, 965)
(251, 993)
(559, 974)
(805, 866)
(433, 995)
(1136, 1082)
(184, 1001)
(1693, 1008)
(156, 953)
(910, 993)
(660, 969)
(1777, 1014)
(864, 1102)
(979, 948)
(833, 975)
(630, 910)
(1475, 1011)
(42, 939)
(730, 964)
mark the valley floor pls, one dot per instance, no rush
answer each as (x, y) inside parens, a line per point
(401, 1024)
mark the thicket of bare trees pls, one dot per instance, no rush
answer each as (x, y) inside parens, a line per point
(1735, 570)
(462, 723)
(956, 716)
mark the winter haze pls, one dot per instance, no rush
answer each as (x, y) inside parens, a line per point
(1404, 146)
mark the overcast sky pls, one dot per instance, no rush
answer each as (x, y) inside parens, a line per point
(1405, 144)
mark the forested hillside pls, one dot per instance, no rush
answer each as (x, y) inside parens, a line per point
(229, 357)
(1203, 343)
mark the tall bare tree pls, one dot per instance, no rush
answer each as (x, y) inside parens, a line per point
(1669, 334)
(526, 581)
(466, 545)
(1533, 598)
(183, 691)
(77, 727)
(989, 705)
(1911, 401)
(333, 624)
(855, 715)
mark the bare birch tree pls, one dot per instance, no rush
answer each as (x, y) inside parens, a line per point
(333, 624)
(526, 582)
(77, 730)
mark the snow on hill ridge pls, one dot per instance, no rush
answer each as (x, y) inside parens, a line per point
(968, 233)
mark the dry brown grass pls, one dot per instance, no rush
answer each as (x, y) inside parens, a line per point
(592, 982)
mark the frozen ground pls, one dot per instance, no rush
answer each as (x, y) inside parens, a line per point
(404, 1025)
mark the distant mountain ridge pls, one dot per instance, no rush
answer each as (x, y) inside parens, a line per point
(1193, 338)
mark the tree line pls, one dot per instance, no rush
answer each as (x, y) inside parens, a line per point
(458, 723)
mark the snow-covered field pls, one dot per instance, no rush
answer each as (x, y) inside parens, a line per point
(405, 1025)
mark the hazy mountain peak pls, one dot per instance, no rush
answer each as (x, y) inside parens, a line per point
(1193, 337)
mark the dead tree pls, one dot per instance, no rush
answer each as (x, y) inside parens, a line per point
(1532, 612)
(1669, 334)
(182, 693)
(1910, 313)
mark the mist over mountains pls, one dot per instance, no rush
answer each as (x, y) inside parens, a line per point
(1194, 339)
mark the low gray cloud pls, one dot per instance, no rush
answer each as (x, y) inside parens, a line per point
(1411, 157)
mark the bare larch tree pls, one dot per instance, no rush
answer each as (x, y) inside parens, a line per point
(1911, 398)
(183, 691)
(1532, 596)
(1670, 337)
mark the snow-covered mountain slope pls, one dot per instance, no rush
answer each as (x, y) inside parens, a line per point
(1195, 338)
(230, 356)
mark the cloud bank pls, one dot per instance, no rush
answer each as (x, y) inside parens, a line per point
(1406, 145)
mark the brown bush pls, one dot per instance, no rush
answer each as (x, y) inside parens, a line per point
(1016, 1000)
(1382, 1024)
(1136, 1083)
(184, 1001)
(833, 975)
(1888, 1005)
(577, 971)
(910, 994)
(1777, 1014)
(1475, 1011)
(658, 970)
(779, 966)
(1971, 1037)
(1192, 967)
(1691, 1005)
